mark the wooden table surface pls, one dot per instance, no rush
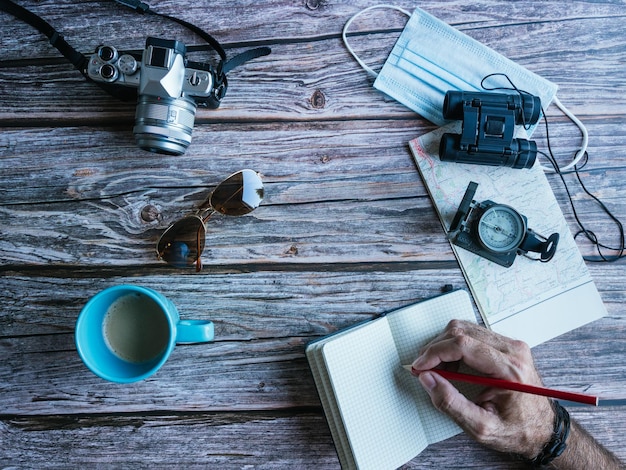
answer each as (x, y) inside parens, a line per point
(346, 230)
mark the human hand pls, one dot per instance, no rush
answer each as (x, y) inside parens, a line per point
(503, 420)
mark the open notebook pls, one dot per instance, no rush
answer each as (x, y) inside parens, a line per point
(379, 415)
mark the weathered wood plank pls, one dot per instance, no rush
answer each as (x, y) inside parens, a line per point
(108, 233)
(281, 88)
(252, 375)
(259, 440)
(263, 322)
(289, 440)
(244, 306)
(287, 84)
(104, 162)
(119, 236)
(87, 23)
(100, 205)
(256, 304)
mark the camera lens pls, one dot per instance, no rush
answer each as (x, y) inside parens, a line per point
(164, 125)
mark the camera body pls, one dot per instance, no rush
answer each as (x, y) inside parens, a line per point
(168, 86)
(489, 121)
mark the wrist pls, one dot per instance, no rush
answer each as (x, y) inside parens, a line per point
(558, 440)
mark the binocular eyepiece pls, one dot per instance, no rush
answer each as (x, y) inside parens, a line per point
(527, 108)
(489, 121)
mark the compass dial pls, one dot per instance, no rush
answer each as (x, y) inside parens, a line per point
(501, 229)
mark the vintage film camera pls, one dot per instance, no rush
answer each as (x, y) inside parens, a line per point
(489, 121)
(497, 231)
(169, 90)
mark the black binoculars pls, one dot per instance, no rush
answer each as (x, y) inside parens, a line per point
(489, 121)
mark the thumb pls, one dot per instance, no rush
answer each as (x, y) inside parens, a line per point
(447, 399)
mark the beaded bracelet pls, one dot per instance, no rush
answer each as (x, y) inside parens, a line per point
(557, 444)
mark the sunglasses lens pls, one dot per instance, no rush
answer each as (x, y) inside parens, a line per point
(182, 244)
(239, 194)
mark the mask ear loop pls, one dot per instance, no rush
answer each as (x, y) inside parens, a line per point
(344, 34)
(583, 130)
(585, 136)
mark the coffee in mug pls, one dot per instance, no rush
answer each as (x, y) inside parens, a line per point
(135, 328)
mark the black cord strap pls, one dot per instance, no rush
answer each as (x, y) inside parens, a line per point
(589, 234)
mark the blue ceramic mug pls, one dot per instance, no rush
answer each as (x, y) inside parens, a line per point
(126, 333)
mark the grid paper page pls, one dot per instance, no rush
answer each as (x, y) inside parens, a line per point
(411, 332)
(380, 418)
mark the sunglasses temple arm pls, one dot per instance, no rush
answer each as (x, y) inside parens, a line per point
(206, 214)
(198, 241)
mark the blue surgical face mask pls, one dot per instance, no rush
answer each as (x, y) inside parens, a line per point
(430, 58)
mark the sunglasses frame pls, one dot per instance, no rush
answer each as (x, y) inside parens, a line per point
(203, 214)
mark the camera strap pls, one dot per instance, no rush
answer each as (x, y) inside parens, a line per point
(142, 7)
(224, 66)
(80, 61)
(76, 58)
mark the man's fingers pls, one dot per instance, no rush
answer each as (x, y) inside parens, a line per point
(442, 351)
(480, 349)
(457, 328)
(480, 333)
(447, 399)
(471, 351)
(473, 419)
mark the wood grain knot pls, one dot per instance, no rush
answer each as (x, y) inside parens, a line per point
(150, 213)
(314, 4)
(318, 100)
(81, 172)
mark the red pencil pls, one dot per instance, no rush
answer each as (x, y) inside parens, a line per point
(518, 387)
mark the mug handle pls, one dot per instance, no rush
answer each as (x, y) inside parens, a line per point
(194, 331)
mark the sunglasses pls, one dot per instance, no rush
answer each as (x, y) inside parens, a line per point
(182, 244)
